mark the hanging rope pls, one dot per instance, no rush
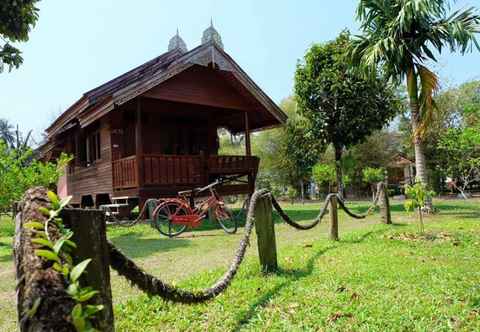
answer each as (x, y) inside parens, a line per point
(129, 223)
(341, 202)
(324, 210)
(154, 286)
(296, 225)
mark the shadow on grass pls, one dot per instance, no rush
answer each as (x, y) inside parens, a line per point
(295, 275)
(134, 245)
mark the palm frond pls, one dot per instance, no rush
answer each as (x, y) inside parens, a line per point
(459, 31)
(429, 86)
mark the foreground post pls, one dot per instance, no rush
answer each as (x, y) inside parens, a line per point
(384, 204)
(42, 300)
(89, 231)
(333, 218)
(265, 229)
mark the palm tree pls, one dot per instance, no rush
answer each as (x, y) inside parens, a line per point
(400, 37)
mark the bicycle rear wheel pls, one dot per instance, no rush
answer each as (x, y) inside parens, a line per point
(162, 218)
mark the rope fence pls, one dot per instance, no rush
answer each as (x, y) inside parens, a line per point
(154, 286)
(104, 253)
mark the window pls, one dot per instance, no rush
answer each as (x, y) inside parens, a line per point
(89, 148)
(93, 147)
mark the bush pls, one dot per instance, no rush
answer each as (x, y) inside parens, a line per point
(323, 174)
(372, 175)
(19, 170)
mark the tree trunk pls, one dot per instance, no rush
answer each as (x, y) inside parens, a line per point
(338, 171)
(420, 161)
(302, 192)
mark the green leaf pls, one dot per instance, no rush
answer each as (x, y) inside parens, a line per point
(58, 267)
(53, 199)
(87, 296)
(58, 245)
(90, 310)
(77, 318)
(44, 211)
(43, 242)
(70, 244)
(78, 269)
(72, 289)
(47, 254)
(34, 225)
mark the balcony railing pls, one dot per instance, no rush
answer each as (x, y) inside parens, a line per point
(125, 173)
(179, 170)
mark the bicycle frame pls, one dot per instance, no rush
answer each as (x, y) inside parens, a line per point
(197, 214)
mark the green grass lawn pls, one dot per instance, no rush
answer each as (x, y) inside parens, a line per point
(376, 278)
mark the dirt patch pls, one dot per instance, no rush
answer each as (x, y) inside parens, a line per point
(439, 237)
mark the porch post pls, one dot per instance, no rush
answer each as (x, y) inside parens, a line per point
(248, 149)
(138, 144)
(248, 153)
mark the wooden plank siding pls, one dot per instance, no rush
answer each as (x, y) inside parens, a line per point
(202, 86)
(96, 178)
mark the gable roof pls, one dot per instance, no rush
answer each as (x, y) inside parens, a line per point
(99, 101)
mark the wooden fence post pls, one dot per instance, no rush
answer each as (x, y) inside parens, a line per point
(42, 301)
(89, 231)
(333, 218)
(385, 204)
(265, 229)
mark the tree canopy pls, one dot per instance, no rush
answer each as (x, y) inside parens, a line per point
(17, 18)
(342, 106)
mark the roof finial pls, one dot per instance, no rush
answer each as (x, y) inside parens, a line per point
(212, 35)
(177, 43)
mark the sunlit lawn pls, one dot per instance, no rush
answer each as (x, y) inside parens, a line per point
(371, 280)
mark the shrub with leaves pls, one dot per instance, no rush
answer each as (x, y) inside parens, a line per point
(417, 195)
(58, 255)
(20, 171)
(324, 174)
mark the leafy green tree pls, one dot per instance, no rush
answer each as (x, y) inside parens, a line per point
(17, 18)
(372, 176)
(324, 174)
(20, 171)
(343, 107)
(462, 149)
(287, 154)
(401, 36)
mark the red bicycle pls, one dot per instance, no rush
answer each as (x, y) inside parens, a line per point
(172, 216)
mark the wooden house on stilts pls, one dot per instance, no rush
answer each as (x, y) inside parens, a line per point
(152, 131)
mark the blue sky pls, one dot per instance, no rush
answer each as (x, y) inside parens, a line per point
(78, 45)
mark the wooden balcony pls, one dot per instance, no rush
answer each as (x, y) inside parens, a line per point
(125, 173)
(179, 171)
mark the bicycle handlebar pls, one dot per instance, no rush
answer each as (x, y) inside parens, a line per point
(220, 180)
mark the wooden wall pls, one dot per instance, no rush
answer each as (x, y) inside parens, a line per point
(201, 86)
(96, 178)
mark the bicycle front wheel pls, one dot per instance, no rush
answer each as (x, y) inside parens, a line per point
(227, 219)
(162, 218)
